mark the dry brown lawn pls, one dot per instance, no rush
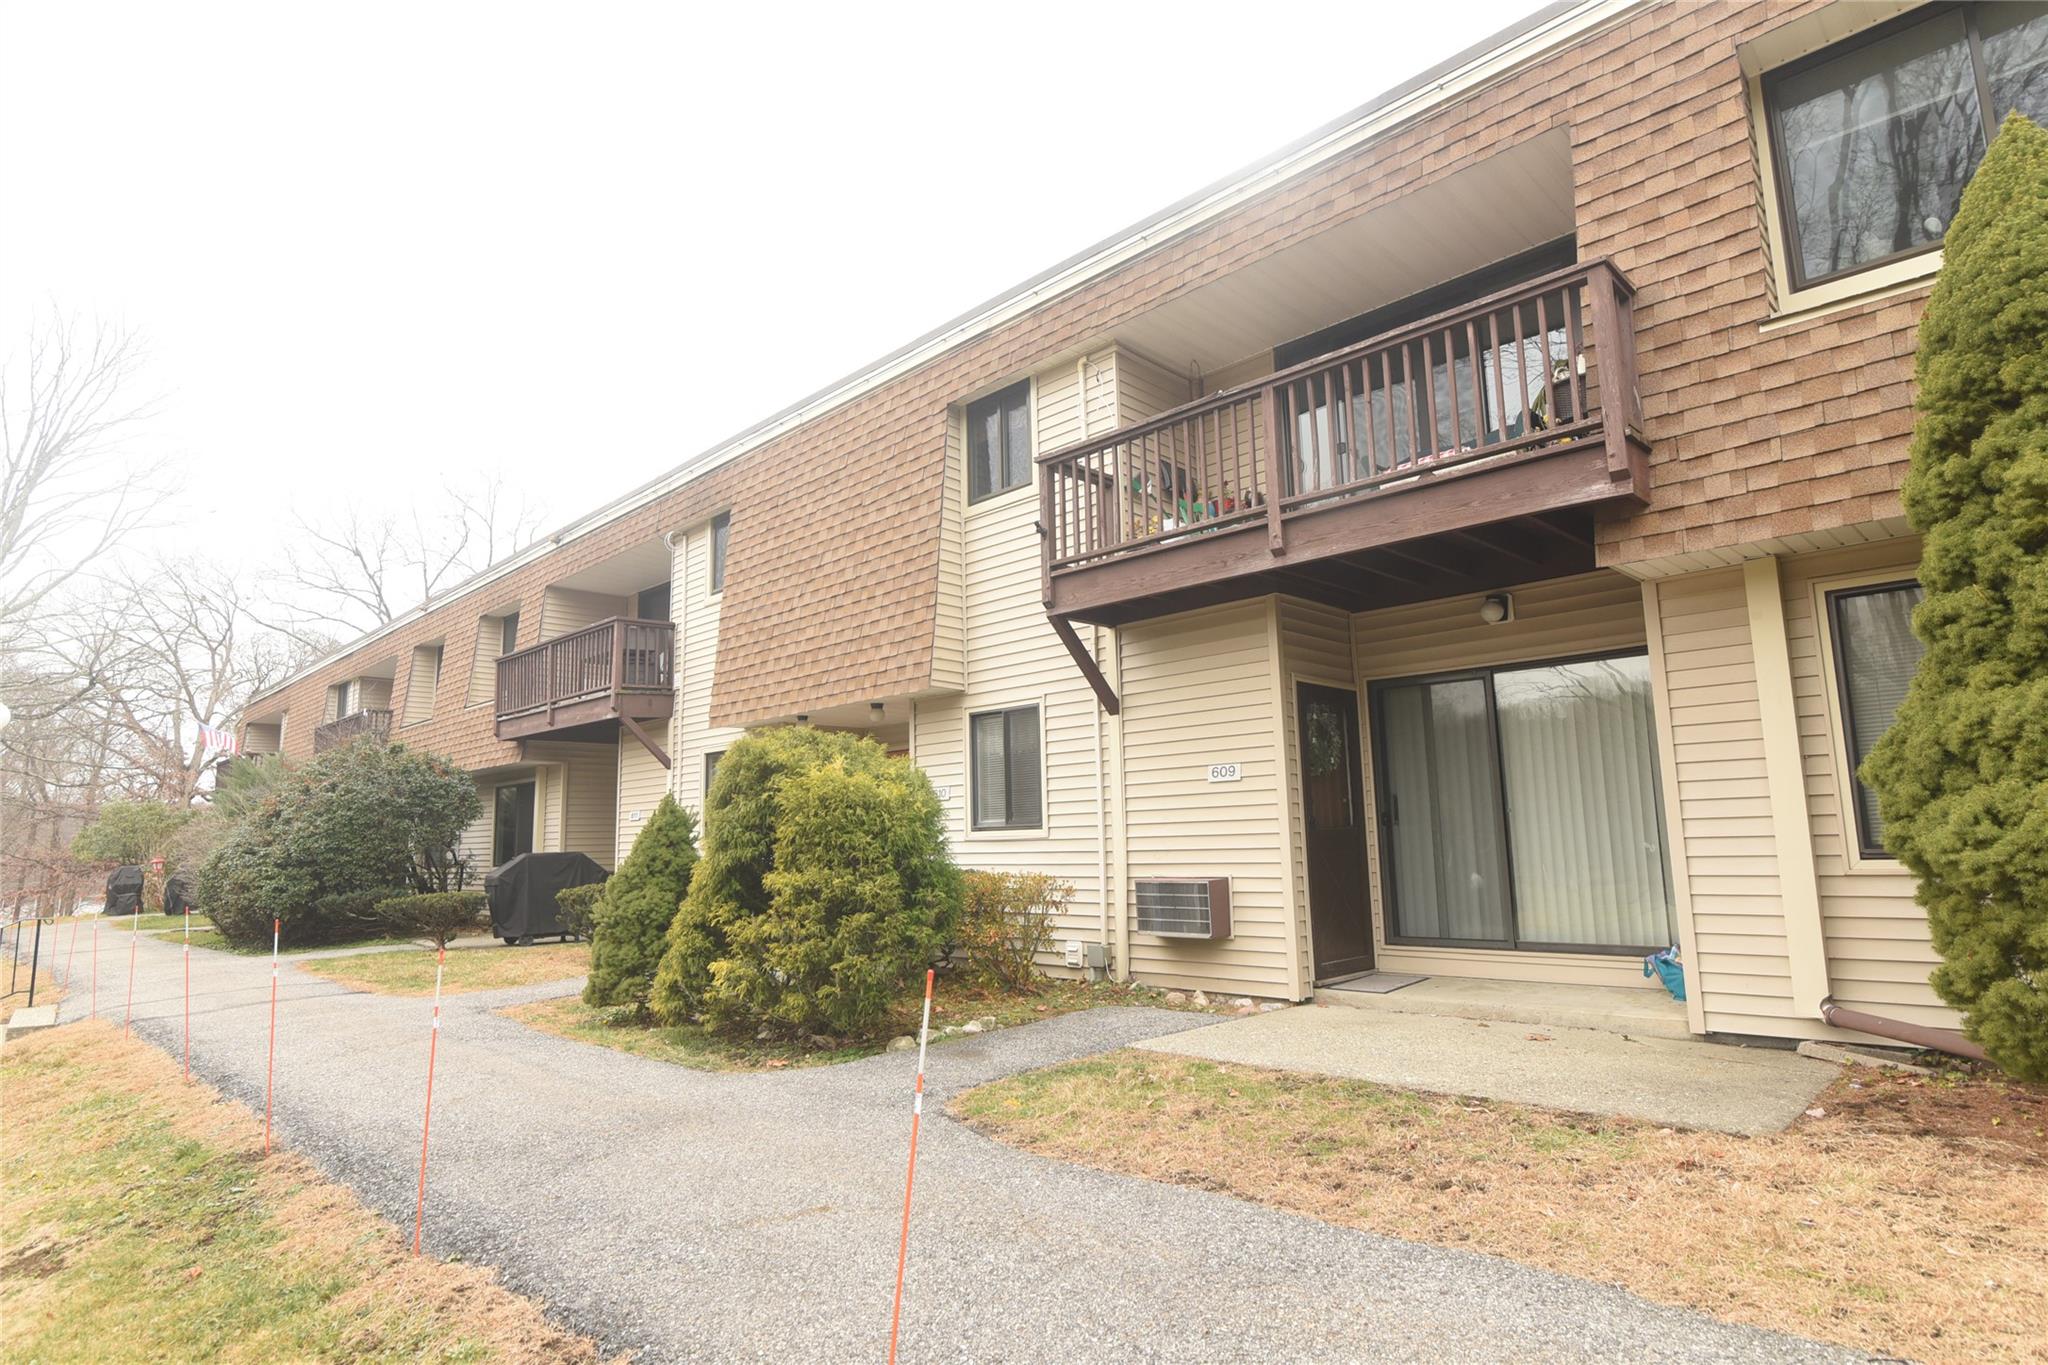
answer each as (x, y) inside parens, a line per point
(1908, 1217)
(140, 1220)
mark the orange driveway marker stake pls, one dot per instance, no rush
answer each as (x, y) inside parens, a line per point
(188, 995)
(419, 1217)
(916, 1112)
(270, 1067)
(128, 1008)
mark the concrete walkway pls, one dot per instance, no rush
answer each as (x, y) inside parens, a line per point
(693, 1216)
(1685, 1084)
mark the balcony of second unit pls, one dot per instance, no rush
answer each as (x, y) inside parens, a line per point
(618, 670)
(1460, 451)
(374, 722)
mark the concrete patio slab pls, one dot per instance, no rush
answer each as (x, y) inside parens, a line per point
(1685, 1084)
(1647, 1013)
(28, 1021)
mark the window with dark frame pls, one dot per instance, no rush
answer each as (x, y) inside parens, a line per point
(999, 442)
(721, 531)
(1003, 754)
(1875, 137)
(508, 633)
(1876, 653)
(710, 767)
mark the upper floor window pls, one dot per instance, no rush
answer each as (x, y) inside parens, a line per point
(1875, 137)
(508, 633)
(1876, 654)
(999, 442)
(721, 531)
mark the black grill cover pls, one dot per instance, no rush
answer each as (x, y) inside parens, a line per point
(178, 895)
(521, 893)
(124, 891)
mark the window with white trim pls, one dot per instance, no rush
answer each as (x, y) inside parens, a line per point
(1876, 654)
(999, 442)
(1003, 756)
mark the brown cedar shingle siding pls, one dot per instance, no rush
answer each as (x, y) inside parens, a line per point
(832, 586)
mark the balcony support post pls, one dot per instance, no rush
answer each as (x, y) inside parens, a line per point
(646, 741)
(1276, 487)
(1064, 628)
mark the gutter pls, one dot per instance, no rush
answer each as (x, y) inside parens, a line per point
(1918, 1035)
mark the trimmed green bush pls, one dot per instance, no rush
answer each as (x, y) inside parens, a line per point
(1962, 776)
(576, 906)
(356, 825)
(823, 892)
(436, 915)
(629, 926)
(1006, 922)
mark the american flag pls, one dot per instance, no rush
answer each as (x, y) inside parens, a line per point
(223, 740)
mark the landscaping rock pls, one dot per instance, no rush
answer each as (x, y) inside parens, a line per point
(1202, 999)
(987, 1022)
(902, 1044)
(971, 1026)
(1176, 997)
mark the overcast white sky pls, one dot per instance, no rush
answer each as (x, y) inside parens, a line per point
(379, 247)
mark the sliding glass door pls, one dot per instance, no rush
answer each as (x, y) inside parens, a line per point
(1518, 808)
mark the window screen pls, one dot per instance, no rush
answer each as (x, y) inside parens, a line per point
(1004, 756)
(721, 531)
(999, 442)
(1875, 655)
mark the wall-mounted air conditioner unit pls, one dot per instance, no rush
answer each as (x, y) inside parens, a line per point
(1190, 907)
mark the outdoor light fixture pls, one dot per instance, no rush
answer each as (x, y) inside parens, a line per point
(803, 718)
(1497, 608)
(876, 712)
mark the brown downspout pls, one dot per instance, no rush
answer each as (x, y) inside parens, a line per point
(1938, 1039)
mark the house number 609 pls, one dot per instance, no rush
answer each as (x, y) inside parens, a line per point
(1223, 772)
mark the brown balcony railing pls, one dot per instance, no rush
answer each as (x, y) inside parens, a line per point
(352, 726)
(1540, 367)
(582, 672)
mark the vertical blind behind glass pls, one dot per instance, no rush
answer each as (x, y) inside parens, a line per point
(1878, 652)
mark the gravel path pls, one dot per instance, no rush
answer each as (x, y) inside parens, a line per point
(693, 1216)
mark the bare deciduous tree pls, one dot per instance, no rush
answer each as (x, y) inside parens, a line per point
(68, 492)
(362, 569)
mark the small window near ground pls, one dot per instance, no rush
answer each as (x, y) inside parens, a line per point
(711, 767)
(1875, 137)
(721, 532)
(1875, 655)
(999, 442)
(1005, 778)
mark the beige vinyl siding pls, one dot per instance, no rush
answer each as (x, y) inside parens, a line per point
(1315, 647)
(371, 694)
(1199, 689)
(422, 681)
(1012, 658)
(1878, 948)
(563, 610)
(695, 610)
(1709, 702)
(581, 797)
(642, 784)
(1583, 614)
(263, 739)
(475, 845)
(483, 659)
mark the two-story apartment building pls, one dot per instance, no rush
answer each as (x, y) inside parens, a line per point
(1465, 543)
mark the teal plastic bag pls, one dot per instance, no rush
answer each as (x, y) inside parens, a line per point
(1666, 967)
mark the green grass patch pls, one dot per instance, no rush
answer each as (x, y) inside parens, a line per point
(411, 971)
(699, 1048)
(145, 1224)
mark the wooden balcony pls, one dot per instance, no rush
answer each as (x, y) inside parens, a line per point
(620, 670)
(1463, 452)
(355, 725)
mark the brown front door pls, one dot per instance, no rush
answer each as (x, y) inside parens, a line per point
(1333, 824)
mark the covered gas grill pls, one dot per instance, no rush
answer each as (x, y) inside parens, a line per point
(521, 893)
(124, 892)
